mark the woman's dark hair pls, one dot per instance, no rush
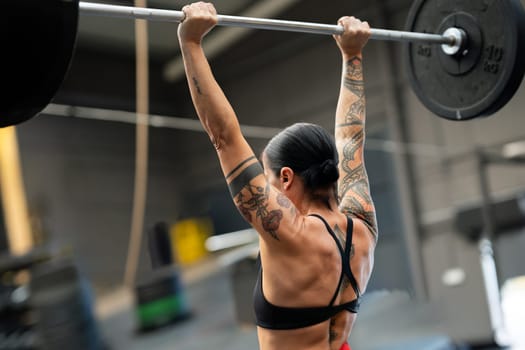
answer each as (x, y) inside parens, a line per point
(309, 150)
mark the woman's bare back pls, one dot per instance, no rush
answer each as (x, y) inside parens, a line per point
(308, 276)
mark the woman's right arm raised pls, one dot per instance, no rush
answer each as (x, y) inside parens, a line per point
(353, 185)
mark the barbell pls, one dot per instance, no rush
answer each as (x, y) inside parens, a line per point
(464, 58)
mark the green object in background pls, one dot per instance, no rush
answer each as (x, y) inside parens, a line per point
(161, 300)
(163, 311)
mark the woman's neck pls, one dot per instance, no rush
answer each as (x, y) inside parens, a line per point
(318, 201)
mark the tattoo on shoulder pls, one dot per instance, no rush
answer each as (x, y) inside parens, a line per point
(341, 237)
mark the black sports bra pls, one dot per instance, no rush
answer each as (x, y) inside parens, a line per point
(272, 316)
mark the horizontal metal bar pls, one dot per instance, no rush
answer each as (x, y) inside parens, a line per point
(94, 9)
(154, 120)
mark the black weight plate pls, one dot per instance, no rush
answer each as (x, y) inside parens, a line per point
(485, 74)
(39, 41)
(516, 76)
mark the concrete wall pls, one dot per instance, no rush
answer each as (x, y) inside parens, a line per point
(79, 178)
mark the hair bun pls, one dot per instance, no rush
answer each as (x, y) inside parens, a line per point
(322, 174)
(329, 171)
(327, 167)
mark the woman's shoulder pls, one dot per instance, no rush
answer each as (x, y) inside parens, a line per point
(320, 229)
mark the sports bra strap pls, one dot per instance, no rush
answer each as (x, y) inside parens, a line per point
(348, 255)
(345, 254)
(332, 233)
(340, 248)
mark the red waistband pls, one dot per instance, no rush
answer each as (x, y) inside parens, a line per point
(345, 346)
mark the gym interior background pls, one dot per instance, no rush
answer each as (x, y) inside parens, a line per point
(431, 287)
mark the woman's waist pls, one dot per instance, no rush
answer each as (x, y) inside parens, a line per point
(308, 338)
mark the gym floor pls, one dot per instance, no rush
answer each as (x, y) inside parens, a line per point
(213, 324)
(403, 324)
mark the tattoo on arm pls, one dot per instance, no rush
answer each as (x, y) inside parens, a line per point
(357, 87)
(354, 69)
(351, 123)
(253, 201)
(353, 81)
(239, 166)
(355, 197)
(354, 191)
(243, 179)
(197, 86)
(356, 111)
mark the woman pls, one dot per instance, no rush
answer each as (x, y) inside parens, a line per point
(314, 214)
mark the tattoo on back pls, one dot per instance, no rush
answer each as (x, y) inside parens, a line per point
(342, 240)
(341, 237)
(332, 334)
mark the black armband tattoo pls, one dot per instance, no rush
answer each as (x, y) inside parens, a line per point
(239, 166)
(244, 178)
(357, 122)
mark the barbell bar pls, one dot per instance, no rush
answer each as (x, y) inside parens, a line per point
(471, 65)
(96, 9)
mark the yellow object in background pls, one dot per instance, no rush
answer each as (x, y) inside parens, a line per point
(12, 194)
(188, 238)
